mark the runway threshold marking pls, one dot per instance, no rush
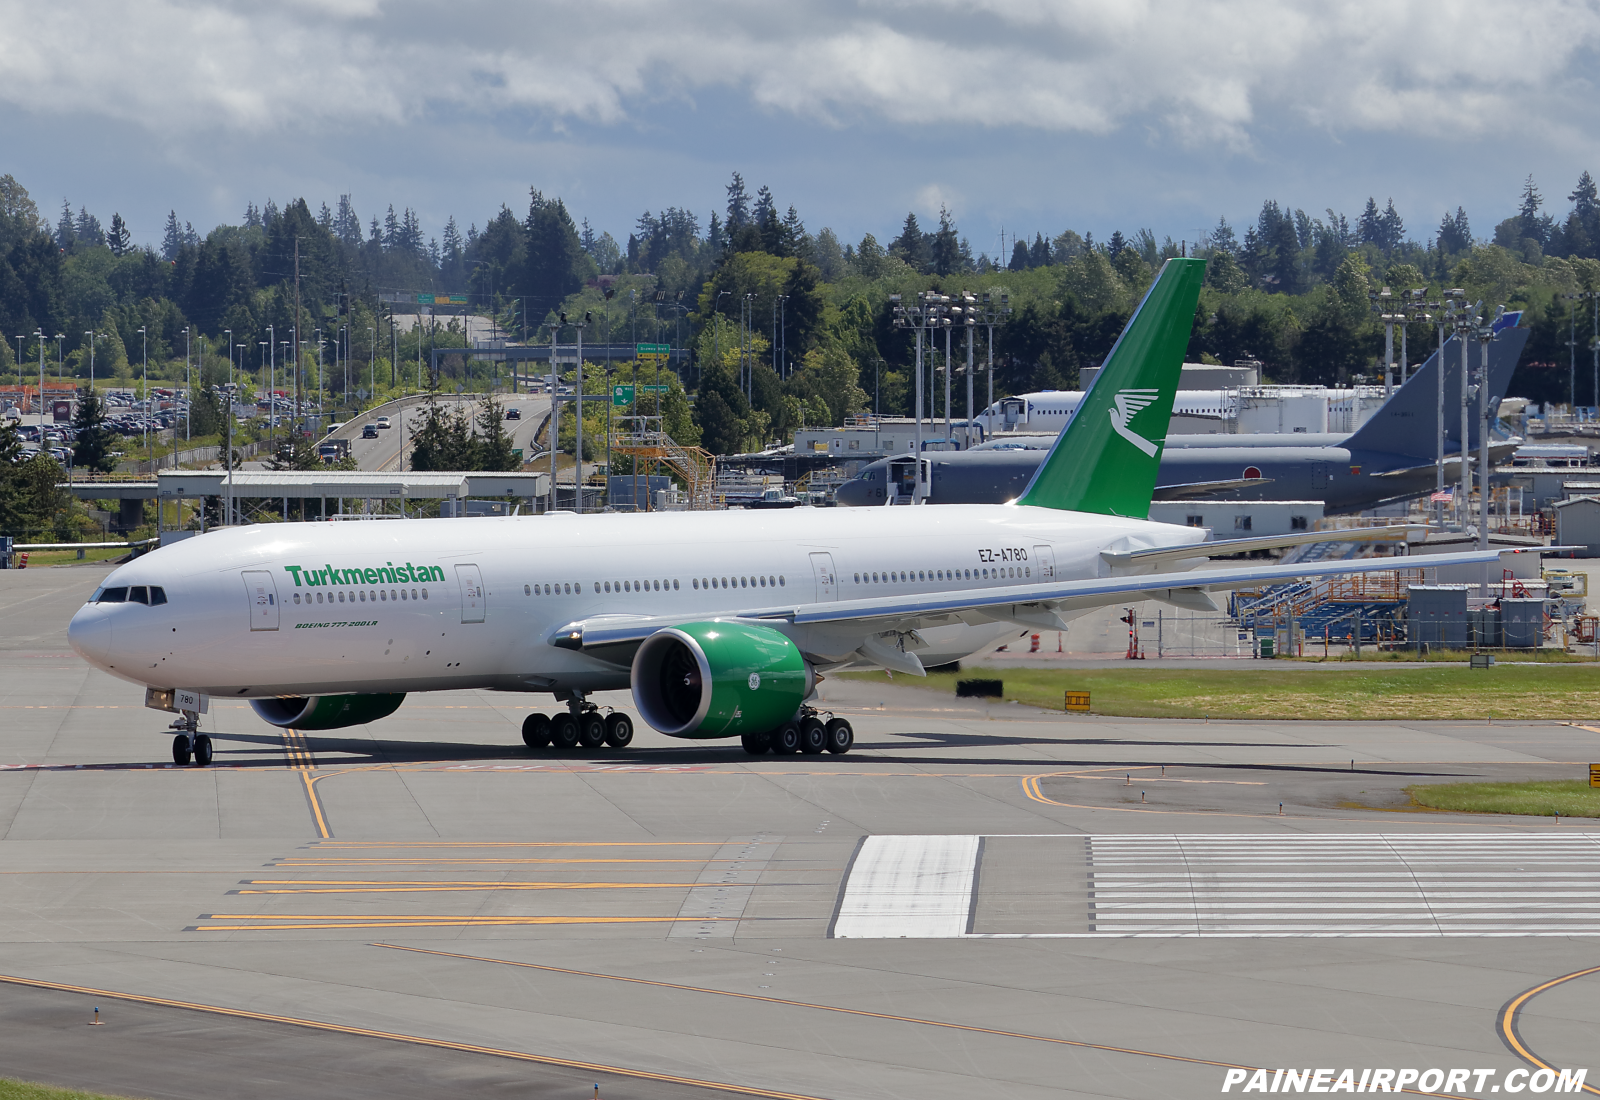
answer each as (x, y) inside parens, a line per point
(1079, 1043)
(1506, 1024)
(418, 1040)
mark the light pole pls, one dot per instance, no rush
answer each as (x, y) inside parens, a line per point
(38, 336)
(577, 477)
(992, 313)
(93, 336)
(272, 386)
(969, 321)
(928, 313)
(1485, 335)
(145, 396)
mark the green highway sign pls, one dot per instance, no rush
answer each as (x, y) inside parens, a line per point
(640, 351)
(441, 299)
(623, 395)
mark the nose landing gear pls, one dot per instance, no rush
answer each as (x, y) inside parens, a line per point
(189, 742)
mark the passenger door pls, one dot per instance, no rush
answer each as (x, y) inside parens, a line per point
(1044, 564)
(470, 578)
(262, 593)
(827, 585)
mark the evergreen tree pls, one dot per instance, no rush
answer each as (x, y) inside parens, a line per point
(1455, 235)
(391, 230)
(1019, 257)
(65, 235)
(252, 216)
(1393, 229)
(493, 449)
(172, 239)
(88, 229)
(1222, 238)
(346, 223)
(119, 239)
(554, 254)
(1583, 198)
(269, 215)
(1116, 244)
(91, 450)
(911, 245)
(738, 205)
(1039, 254)
(1369, 228)
(792, 237)
(945, 253)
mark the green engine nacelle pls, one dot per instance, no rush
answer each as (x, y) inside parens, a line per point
(326, 712)
(719, 679)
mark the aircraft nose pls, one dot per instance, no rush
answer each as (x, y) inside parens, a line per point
(852, 494)
(89, 634)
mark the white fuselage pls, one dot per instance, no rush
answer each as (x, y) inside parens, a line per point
(244, 618)
(1048, 411)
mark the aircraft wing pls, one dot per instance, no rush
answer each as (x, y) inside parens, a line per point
(614, 637)
(1190, 489)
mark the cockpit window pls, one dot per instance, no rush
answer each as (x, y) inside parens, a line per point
(139, 594)
(113, 595)
(158, 595)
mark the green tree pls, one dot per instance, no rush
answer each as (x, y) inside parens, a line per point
(91, 450)
(493, 449)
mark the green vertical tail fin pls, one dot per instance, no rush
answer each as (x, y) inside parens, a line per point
(1107, 457)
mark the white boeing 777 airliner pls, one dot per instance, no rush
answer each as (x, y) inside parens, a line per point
(720, 622)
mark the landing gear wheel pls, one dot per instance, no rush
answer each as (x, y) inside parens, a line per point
(591, 731)
(180, 749)
(840, 736)
(536, 731)
(756, 743)
(619, 730)
(202, 750)
(786, 740)
(564, 731)
(813, 736)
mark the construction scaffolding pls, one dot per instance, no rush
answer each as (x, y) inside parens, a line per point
(643, 439)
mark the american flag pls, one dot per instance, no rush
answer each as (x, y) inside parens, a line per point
(1443, 498)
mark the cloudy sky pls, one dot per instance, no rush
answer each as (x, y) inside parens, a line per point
(1021, 115)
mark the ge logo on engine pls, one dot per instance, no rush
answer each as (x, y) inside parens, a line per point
(755, 680)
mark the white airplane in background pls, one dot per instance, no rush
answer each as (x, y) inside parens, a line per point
(720, 622)
(1049, 411)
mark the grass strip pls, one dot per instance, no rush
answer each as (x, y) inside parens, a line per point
(1569, 798)
(26, 1090)
(1562, 693)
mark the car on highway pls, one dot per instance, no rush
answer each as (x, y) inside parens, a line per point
(513, 414)
(382, 422)
(369, 431)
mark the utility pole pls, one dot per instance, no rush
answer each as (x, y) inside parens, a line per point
(577, 477)
(991, 313)
(1485, 335)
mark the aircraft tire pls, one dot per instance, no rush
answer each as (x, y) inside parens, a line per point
(619, 730)
(564, 731)
(756, 743)
(180, 749)
(536, 731)
(202, 750)
(591, 731)
(785, 740)
(841, 738)
(813, 736)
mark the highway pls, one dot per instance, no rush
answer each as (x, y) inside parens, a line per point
(1107, 907)
(383, 453)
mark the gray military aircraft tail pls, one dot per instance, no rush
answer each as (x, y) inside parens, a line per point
(1389, 458)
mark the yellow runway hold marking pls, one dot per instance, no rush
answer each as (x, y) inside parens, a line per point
(305, 922)
(399, 1037)
(1507, 1022)
(463, 887)
(1081, 1044)
(299, 757)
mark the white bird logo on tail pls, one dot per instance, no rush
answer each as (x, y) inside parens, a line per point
(1128, 405)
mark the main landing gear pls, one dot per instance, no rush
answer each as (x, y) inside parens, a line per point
(583, 724)
(809, 732)
(189, 742)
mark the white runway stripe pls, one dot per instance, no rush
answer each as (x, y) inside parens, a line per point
(908, 887)
(1373, 884)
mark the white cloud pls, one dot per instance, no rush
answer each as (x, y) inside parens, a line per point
(1201, 72)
